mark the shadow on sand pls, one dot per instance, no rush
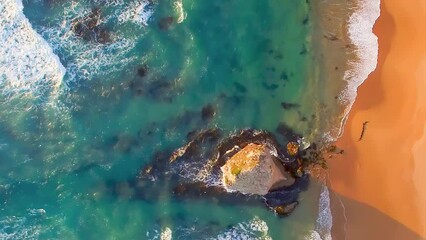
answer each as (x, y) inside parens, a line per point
(365, 222)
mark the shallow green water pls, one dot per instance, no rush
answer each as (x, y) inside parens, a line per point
(59, 152)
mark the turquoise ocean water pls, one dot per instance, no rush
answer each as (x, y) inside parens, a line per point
(102, 110)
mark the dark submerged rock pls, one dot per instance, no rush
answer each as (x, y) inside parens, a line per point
(208, 112)
(284, 76)
(124, 143)
(285, 210)
(240, 88)
(304, 50)
(165, 23)
(289, 134)
(270, 86)
(90, 29)
(157, 88)
(142, 70)
(288, 106)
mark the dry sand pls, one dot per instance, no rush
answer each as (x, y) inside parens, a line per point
(387, 168)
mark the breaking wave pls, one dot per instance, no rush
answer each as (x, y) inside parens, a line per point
(324, 221)
(28, 66)
(85, 60)
(254, 229)
(360, 32)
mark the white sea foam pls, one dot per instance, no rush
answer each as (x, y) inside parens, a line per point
(251, 230)
(166, 234)
(324, 221)
(28, 66)
(138, 12)
(254, 229)
(87, 60)
(178, 6)
(360, 31)
(13, 227)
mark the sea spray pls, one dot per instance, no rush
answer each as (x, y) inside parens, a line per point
(28, 65)
(360, 31)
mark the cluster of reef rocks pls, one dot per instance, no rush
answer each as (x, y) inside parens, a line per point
(248, 167)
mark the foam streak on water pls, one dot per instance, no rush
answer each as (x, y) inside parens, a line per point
(28, 65)
(366, 49)
(178, 5)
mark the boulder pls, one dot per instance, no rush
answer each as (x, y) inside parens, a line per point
(254, 170)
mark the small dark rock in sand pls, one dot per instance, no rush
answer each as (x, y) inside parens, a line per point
(165, 23)
(208, 112)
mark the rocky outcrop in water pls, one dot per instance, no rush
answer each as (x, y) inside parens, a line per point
(90, 29)
(255, 170)
(249, 167)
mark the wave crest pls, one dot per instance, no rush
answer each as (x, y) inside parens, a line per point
(366, 44)
(28, 66)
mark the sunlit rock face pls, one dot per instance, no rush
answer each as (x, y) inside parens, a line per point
(254, 170)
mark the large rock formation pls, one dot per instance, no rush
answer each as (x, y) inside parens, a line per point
(254, 170)
(251, 165)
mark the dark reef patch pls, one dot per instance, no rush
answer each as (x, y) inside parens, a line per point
(166, 23)
(270, 86)
(240, 88)
(288, 106)
(208, 112)
(90, 28)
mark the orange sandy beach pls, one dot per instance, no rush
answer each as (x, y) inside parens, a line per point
(386, 170)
